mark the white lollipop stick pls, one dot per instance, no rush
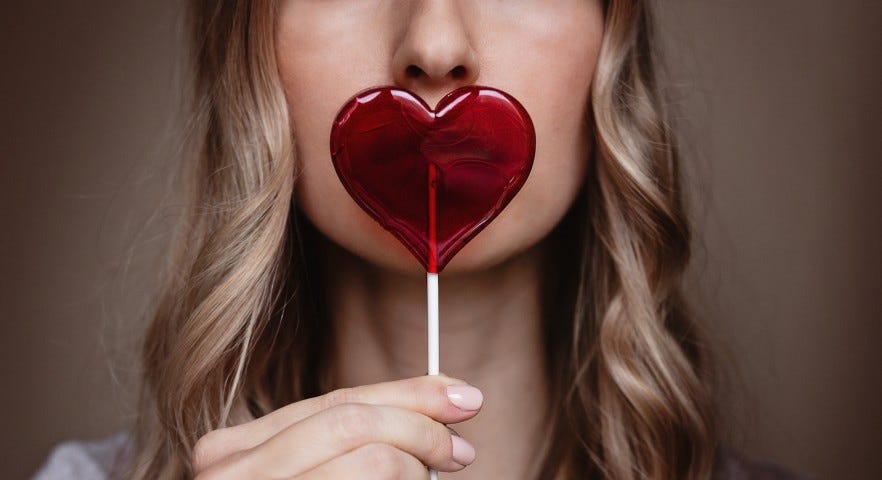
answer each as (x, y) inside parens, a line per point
(432, 291)
(432, 280)
(432, 295)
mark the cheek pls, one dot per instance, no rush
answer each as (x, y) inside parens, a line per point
(320, 195)
(554, 86)
(311, 57)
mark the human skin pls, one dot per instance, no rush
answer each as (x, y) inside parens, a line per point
(544, 53)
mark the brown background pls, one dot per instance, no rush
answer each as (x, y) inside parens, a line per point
(780, 105)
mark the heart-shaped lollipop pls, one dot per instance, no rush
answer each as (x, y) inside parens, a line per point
(434, 179)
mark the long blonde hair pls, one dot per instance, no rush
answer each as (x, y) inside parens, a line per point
(238, 329)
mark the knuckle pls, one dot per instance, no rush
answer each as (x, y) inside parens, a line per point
(339, 396)
(237, 462)
(438, 441)
(210, 474)
(422, 393)
(430, 394)
(203, 450)
(383, 460)
(425, 395)
(353, 423)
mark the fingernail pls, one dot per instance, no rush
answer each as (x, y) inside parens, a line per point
(463, 451)
(465, 397)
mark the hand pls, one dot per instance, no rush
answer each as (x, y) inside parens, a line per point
(385, 430)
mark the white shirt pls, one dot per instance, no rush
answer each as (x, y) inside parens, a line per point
(83, 459)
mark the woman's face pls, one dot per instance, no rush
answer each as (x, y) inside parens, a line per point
(543, 52)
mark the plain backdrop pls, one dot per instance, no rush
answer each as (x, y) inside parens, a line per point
(779, 106)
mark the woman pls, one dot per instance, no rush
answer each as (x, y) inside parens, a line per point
(289, 339)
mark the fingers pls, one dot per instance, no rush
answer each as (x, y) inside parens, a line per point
(346, 427)
(374, 460)
(425, 394)
(339, 430)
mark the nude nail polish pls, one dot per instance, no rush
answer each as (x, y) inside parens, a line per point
(466, 397)
(463, 451)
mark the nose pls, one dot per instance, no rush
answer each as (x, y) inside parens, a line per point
(435, 54)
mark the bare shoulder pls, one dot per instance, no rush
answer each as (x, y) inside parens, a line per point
(77, 459)
(731, 465)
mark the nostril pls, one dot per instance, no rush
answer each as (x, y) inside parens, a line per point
(458, 72)
(413, 71)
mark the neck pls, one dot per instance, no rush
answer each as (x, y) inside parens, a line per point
(490, 336)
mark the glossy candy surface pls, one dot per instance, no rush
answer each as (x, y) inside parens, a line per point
(433, 179)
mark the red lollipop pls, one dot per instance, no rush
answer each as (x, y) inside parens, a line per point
(433, 179)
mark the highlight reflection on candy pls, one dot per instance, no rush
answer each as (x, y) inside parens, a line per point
(433, 179)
